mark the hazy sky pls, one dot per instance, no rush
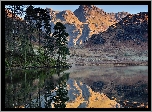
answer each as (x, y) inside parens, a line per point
(133, 9)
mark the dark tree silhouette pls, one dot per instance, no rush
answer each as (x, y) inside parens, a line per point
(61, 47)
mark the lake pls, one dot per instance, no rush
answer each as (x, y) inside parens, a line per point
(125, 84)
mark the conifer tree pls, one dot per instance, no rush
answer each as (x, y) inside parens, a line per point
(41, 20)
(61, 47)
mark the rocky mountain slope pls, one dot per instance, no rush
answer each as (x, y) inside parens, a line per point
(125, 42)
(132, 28)
(89, 22)
(84, 21)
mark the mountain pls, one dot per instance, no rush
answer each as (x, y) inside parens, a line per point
(73, 25)
(123, 42)
(84, 22)
(89, 22)
(97, 19)
(131, 29)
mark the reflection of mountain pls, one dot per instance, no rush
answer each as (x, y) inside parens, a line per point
(126, 84)
(81, 96)
(46, 91)
(41, 89)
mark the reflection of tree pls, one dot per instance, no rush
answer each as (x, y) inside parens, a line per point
(8, 94)
(28, 91)
(49, 85)
(61, 92)
(17, 92)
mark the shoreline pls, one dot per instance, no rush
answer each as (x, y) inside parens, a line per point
(120, 64)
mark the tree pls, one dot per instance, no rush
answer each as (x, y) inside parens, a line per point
(61, 47)
(36, 24)
(15, 34)
(40, 18)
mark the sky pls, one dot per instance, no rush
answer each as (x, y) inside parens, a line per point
(133, 9)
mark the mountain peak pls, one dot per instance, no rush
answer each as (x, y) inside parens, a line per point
(86, 10)
(93, 7)
(89, 6)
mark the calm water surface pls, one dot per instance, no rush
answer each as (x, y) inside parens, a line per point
(29, 86)
(123, 83)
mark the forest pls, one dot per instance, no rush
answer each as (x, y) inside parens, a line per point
(29, 42)
(34, 53)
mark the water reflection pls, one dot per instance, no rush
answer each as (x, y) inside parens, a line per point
(127, 85)
(47, 88)
(42, 88)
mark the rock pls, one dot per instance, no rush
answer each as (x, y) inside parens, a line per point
(84, 21)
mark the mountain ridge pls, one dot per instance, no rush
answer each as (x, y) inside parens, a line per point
(94, 22)
(84, 20)
(132, 28)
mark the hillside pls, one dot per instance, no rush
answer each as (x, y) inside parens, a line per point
(125, 42)
(84, 21)
(131, 28)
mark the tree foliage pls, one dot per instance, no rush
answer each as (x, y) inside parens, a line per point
(60, 36)
(21, 37)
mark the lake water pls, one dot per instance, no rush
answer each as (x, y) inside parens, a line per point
(107, 74)
(123, 83)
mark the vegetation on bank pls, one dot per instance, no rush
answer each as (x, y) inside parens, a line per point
(21, 36)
